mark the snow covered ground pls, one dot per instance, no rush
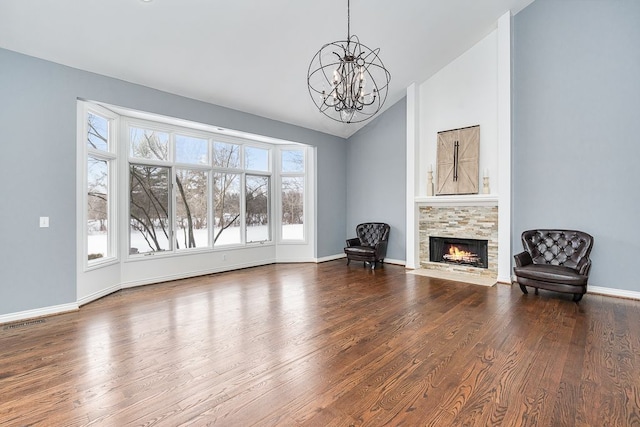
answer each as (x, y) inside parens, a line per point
(97, 242)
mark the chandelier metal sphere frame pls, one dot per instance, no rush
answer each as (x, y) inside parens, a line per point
(347, 80)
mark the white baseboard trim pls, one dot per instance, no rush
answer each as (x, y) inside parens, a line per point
(38, 312)
(340, 256)
(295, 260)
(170, 277)
(611, 292)
(329, 258)
(395, 261)
(98, 295)
(167, 278)
(504, 280)
(600, 290)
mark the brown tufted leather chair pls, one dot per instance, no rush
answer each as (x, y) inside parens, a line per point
(556, 260)
(370, 245)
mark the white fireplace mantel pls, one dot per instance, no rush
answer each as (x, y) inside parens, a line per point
(459, 200)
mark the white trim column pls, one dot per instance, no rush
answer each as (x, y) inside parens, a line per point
(504, 148)
(413, 169)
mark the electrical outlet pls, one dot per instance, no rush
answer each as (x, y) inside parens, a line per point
(44, 221)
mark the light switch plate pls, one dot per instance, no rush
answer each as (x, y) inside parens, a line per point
(44, 221)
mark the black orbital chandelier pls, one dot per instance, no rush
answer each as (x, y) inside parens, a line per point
(348, 81)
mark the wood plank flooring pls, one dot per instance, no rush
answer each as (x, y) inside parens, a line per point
(326, 345)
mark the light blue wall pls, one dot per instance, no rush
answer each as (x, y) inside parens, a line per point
(376, 176)
(38, 161)
(576, 148)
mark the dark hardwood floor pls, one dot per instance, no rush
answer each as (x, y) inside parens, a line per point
(326, 345)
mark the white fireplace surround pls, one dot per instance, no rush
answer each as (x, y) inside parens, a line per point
(474, 89)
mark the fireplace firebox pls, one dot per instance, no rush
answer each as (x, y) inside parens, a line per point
(450, 250)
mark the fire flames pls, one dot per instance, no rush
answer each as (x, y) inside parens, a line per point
(457, 255)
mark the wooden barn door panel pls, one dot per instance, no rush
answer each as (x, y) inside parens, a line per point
(468, 157)
(458, 161)
(445, 163)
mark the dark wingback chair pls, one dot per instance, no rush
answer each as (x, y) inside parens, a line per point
(556, 260)
(370, 245)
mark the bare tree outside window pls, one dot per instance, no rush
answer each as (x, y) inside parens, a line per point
(226, 201)
(149, 192)
(191, 208)
(149, 144)
(292, 194)
(257, 208)
(97, 132)
(97, 208)
(226, 155)
(226, 194)
(192, 192)
(97, 179)
(149, 208)
(292, 200)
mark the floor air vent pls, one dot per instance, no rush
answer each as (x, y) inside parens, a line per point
(23, 324)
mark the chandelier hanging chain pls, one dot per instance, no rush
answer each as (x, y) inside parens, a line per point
(339, 75)
(348, 20)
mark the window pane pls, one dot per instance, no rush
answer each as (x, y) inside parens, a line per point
(292, 161)
(256, 159)
(226, 200)
(97, 208)
(257, 201)
(293, 208)
(149, 144)
(226, 155)
(97, 132)
(149, 209)
(191, 209)
(191, 150)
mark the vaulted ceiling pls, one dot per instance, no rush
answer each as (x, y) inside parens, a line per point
(251, 56)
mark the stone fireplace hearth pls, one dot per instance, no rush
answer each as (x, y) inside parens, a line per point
(477, 222)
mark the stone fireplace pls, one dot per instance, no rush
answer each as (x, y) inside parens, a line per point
(471, 228)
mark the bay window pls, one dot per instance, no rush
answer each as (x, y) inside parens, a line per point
(186, 187)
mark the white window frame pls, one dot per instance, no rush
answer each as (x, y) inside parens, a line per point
(170, 210)
(305, 204)
(120, 161)
(269, 208)
(111, 157)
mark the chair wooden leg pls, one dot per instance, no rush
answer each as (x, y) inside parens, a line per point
(348, 260)
(537, 291)
(373, 265)
(577, 297)
(524, 289)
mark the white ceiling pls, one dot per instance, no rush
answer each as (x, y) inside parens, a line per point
(251, 56)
